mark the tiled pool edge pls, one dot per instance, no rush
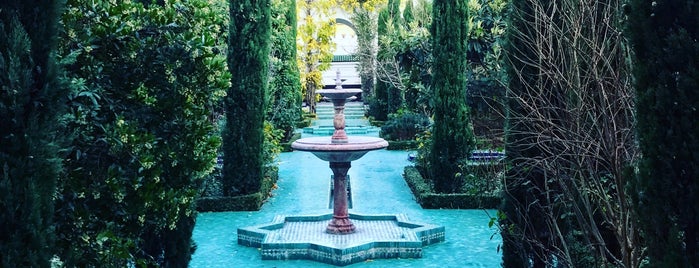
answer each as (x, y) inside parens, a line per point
(410, 245)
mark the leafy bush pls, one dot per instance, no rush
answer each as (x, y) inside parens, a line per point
(213, 200)
(404, 125)
(145, 83)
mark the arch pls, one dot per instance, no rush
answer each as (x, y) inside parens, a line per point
(346, 22)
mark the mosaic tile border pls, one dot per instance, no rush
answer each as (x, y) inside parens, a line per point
(404, 240)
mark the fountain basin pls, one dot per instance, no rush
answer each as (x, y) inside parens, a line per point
(379, 237)
(339, 93)
(355, 148)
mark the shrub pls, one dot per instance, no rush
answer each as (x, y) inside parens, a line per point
(145, 84)
(425, 196)
(213, 200)
(404, 126)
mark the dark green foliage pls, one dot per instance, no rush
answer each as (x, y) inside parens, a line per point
(284, 85)
(404, 126)
(408, 16)
(245, 104)
(144, 89)
(402, 145)
(429, 200)
(249, 202)
(31, 102)
(452, 135)
(664, 38)
(378, 101)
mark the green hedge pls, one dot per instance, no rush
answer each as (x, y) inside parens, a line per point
(402, 145)
(249, 202)
(428, 199)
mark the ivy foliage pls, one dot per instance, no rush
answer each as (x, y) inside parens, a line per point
(145, 83)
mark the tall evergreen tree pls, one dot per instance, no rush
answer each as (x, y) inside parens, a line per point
(284, 84)
(386, 98)
(363, 14)
(31, 103)
(452, 138)
(248, 61)
(664, 38)
(408, 16)
(378, 100)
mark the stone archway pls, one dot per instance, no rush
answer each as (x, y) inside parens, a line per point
(345, 37)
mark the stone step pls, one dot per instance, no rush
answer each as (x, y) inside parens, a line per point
(351, 130)
(349, 122)
(347, 117)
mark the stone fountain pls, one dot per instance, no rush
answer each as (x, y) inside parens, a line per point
(341, 243)
(340, 150)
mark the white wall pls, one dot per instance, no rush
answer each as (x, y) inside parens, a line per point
(348, 70)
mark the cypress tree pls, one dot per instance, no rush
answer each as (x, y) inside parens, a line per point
(664, 37)
(394, 95)
(31, 102)
(378, 103)
(452, 139)
(248, 61)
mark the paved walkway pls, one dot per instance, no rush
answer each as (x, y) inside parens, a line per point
(377, 187)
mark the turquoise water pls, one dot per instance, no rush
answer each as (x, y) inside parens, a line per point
(377, 188)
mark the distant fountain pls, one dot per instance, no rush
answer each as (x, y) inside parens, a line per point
(384, 236)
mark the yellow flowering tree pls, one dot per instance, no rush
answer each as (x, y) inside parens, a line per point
(314, 44)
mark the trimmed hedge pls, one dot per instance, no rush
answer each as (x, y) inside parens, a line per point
(402, 145)
(425, 196)
(249, 202)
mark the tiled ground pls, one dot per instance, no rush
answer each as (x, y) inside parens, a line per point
(314, 232)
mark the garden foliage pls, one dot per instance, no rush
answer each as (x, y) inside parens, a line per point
(569, 139)
(246, 103)
(285, 96)
(31, 103)
(315, 47)
(145, 83)
(452, 136)
(664, 36)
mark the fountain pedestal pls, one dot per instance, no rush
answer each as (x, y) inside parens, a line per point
(340, 224)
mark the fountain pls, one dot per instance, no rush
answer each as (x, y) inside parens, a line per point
(383, 236)
(340, 150)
